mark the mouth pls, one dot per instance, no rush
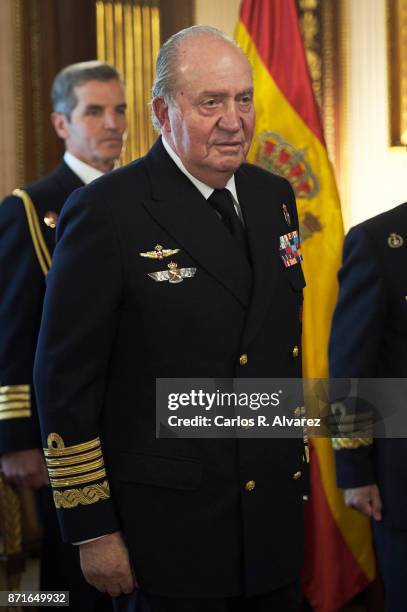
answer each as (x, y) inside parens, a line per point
(112, 140)
(228, 144)
(228, 148)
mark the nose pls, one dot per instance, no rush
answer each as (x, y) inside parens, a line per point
(230, 119)
(111, 121)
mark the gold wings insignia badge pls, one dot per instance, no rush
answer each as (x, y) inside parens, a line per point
(159, 252)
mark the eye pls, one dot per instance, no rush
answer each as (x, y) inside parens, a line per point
(210, 103)
(93, 111)
(246, 99)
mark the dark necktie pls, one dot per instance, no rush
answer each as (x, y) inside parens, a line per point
(222, 202)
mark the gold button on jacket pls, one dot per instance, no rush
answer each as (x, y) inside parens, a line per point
(243, 359)
(250, 485)
(297, 475)
(296, 351)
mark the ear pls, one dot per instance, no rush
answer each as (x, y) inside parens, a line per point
(60, 123)
(160, 108)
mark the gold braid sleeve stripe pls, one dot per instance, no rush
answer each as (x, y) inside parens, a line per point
(15, 402)
(82, 497)
(68, 482)
(62, 461)
(41, 250)
(57, 448)
(14, 397)
(77, 469)
(14, 414)
(350, 443)
(80, 458)
(15, 389)
(14, 405)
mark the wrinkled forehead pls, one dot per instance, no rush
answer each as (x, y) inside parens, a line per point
(206, 62)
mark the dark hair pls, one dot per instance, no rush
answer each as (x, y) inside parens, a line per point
(63, 95)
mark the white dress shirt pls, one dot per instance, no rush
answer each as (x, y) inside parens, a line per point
(83, 171)
(205, 190)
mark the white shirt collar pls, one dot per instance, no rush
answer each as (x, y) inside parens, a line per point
(85, 172)
(205, 190)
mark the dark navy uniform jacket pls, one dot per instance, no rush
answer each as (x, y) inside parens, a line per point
(369, 340)
(192, 527)
(22, 287)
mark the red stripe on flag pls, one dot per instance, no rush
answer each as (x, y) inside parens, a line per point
(326, 585)
(274, 29)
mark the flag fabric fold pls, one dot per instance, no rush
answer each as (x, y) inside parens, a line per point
(289, 141)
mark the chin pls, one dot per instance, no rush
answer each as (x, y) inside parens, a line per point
(230, 165)
(111, 151)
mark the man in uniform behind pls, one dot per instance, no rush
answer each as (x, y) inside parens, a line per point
(369, 341)
(89, 114)
(171, 267)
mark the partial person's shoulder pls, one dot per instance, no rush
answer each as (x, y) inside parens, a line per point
(390, 218)
(42, 186)
(47, 193)
(384, 224)
(112, 194)
(11, 210)
(124, 182)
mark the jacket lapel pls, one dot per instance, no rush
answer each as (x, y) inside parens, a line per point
(66, 178)
(183, 212)
(262, 218)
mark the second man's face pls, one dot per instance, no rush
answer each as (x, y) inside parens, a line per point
(95, 130)
(211, 123)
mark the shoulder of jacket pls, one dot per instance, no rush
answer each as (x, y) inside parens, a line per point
(393, 220)
(41, 192)
(129, 181)
(274, 181)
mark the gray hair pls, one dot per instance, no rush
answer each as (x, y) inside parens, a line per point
(63, 95)
(165, 82)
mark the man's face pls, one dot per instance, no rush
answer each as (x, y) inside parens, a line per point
(211, 123)
(94, 131)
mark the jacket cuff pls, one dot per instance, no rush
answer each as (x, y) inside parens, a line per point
(354, 467)
(80, 488)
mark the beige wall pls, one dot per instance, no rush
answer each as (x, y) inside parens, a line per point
(222, 14)
(376, 173)
(8, 101)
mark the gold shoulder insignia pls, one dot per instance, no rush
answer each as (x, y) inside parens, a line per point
(73, 465)
(159, 252)
(41, 249)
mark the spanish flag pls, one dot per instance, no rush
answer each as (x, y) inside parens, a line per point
(289, 141)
